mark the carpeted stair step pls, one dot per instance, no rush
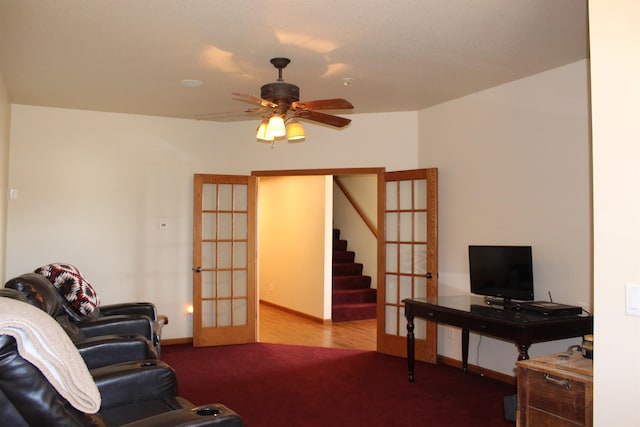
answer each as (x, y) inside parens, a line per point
(353, 296)
(351, 282)
(343, 256)
(339, 245)
(348, 312)
(347, 269)
(336, 234)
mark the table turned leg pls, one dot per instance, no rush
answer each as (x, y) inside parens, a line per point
(411, 348)
(465, 350)
(523, 351)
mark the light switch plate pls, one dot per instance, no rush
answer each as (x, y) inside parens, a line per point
(633, 299)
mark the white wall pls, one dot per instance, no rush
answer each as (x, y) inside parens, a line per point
(291, 233)
(5, 114)
(615, 67)
(94, 187)
(514, 168)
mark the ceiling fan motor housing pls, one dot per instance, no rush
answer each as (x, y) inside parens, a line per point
(280, 92)
(279, 97)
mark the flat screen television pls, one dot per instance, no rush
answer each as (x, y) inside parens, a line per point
(505, 272)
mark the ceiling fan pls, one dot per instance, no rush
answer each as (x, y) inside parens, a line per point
(281, 103)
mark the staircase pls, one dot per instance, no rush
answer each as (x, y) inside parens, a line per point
(353, 298)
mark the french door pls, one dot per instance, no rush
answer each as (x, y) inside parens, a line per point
(224, 291)
(409, 267)
(224, 254)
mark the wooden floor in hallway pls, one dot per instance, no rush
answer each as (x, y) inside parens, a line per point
(280, 326)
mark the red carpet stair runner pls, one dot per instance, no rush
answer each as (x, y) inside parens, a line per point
(353, 297)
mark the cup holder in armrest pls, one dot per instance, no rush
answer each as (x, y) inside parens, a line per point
(207, 411)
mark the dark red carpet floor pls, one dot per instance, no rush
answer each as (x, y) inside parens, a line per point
(283, 385)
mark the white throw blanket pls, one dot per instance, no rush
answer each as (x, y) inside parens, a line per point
(43, 342)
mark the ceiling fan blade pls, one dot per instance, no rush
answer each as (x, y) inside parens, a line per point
(229, 116)
(327, 119)
(263, 102)
(322, 104)
(255, 110)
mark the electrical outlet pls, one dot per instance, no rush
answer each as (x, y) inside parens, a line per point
(633, 299)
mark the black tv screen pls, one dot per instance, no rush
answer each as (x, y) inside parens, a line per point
(501, 271)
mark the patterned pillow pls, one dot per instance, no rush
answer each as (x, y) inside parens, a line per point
(72, 286)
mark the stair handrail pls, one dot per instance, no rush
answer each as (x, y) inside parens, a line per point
(355, 205)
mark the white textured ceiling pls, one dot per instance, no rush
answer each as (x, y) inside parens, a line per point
(403, 55)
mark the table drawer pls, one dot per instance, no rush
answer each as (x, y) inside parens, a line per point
(555, 394)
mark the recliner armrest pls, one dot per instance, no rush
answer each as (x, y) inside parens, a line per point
(145, 308)
(132, 382)
(35, 401)
(118, 325)
(113, 349)
(214, 414)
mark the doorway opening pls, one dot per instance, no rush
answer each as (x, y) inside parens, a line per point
(297, 213)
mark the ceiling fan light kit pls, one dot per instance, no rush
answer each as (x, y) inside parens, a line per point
(295, 131)
(281, 102)
(261, 134)
(275, 127)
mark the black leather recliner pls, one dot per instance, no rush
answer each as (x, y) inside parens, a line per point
(103, 341)
(101, 321)
(134, 394)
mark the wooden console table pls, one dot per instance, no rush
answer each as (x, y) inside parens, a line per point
(470, 313)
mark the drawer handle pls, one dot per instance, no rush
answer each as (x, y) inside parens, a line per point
(561, 382)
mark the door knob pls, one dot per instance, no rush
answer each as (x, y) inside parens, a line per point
(197, 269)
